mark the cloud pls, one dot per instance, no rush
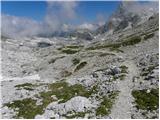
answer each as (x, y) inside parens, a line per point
(139, 8)
(88, 26)
(59, 14)
(18, 27)
(101, 19)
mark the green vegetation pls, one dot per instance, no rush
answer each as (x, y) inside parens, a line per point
(105, 54)
(116, 49)
(63, 92)
(27, 108)
(66, 73)
(146, 101)
(148, 36)
(74, 46)
(123, 69)
(147, 71)
(80, 66)
(26, 86)
(75, 61)
(122, 76)
(70, 51)
(51, 61)
(106, 104)
(129, 41)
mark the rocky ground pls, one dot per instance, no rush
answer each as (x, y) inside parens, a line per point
(112, 76)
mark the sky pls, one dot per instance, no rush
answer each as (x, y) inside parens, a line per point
(88, 11)
(30, 18)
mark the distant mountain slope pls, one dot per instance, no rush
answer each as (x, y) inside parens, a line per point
(128, 15)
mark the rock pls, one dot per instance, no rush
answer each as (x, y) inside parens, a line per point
(115, 70)
(76, 104)
(148, 91)
(43, 44)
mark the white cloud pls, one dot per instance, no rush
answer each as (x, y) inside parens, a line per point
(87, 26)
(55, 20)
(101, 19)
(17, 27)
(139, 8)
(59, 13)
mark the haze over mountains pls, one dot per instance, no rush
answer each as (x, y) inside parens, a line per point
(55, 22)
(107, 70)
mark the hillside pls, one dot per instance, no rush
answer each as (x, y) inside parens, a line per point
(111, 76)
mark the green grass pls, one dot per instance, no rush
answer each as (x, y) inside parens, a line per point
(114, 46)
(122, 76)
(80, 66)
(66, 73)
(106, 104)
(75, 61)
(146, 101)
(147, 71)
(148, 36)
(28, 109)
(64, 92)
(105, 54)
(131, 41)
(123, 69)
(26, 86)
(69, 51)
(116, 49)
(74, 46)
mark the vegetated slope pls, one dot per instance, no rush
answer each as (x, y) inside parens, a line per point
(113, 78)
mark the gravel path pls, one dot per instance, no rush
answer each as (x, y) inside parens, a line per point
(123, 106)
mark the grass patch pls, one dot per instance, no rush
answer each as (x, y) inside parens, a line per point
(66, 73)
(146, 101)
(28, 109)
(105, 54)
(75, 61)
(127, 42)
(122, 76)
(148, 36)
(64, 92)
(80, 66)
(131, 41)
(124, 69)
(106, 104)
(70, 51)
(26, 86)
(147, 71)
(74, 46)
